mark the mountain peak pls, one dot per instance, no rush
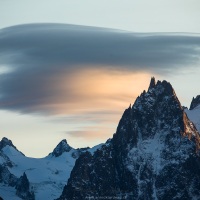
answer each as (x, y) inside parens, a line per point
(195, 102)
(62, 147)
(4, 142)
(162, 91)
(164, 84)
(153, 148)
(152, 83)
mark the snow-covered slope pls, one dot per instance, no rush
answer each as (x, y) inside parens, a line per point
(8, 192)
(47, 176)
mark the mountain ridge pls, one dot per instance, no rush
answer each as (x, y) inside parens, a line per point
(44, 178)
(154, 147)
(154, 155)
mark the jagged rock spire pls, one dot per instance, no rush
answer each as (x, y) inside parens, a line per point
(195, 102)
(152, 83)
(23, 188)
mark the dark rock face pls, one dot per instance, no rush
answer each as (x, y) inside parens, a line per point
(4, 142)
(195, 102)
(6, 177)
(152, 83)
(23, 188)
(154, 154)
(61, 148)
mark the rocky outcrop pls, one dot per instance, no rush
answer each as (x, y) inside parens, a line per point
(23, 188)
(61, 148)
(6, 177)
(4, 142)
(194, 113)
(195, 102)
(154, 154)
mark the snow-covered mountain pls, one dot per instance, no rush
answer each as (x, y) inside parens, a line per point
(46, 177)
(154, 154)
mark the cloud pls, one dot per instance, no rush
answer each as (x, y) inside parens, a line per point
(84, 77)
(62, 45)
(59, 69)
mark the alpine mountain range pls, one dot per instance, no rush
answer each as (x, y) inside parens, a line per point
(154, 155)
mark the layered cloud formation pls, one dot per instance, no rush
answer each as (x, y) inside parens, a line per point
(84, 72)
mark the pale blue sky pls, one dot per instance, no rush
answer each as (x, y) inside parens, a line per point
(35, 130)
(132, 15)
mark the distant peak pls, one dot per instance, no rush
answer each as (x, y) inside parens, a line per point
(62, 147)
(152, 83)
(195, 102)
(64, 141)
(4, 142)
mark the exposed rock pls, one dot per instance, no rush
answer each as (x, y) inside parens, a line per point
(195, 102)
(154, 154)
(23, 188)
(62, 147)
(152, 83)
(4, 142)
(6, 177)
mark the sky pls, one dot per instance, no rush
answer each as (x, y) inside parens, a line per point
(69, 69)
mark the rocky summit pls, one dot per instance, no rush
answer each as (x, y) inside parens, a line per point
(195, 102)
(61, 148)
(154, 154)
